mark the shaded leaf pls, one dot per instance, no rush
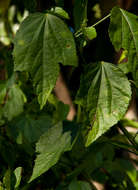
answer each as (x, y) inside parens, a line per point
(15, 100)
(79, 185)
(12, 99)
(123, 32)
(2, 93)
(51, 145)
(60, 3)
(90, 32)
(42, 42)
(7, 151)
(105, 92)
(29, 128)
(80, 13)
(61, 112)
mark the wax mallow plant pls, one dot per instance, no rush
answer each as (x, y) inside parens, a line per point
(39, 146)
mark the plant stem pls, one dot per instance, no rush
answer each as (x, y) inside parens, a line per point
(128, 135)
(127, 122)
(78, 113)
(128, 150)
(107, 16)
(79, 33)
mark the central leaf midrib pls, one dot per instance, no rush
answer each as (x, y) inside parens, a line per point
(98, 94)
(108, 81)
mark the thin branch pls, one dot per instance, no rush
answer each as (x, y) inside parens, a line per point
(128, 135)
(127, 122)
(79, 32)
(103, 19)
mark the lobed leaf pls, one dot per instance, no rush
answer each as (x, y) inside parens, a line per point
(51, 145)
(42, 42)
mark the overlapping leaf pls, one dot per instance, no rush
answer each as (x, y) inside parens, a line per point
(12, 100)
(29, 128)
(79, 185)
(123, 33)
(42, 42)
(80, 13)
(106, 92)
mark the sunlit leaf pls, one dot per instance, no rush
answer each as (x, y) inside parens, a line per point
(18, 175)
(106, 93)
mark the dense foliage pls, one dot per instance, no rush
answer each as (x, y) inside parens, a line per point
(40, 148)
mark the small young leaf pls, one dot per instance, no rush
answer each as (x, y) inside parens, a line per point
(90, 32)
(123, 32)
(42, 42)
(61, 12)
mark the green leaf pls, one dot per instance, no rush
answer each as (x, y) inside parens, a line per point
(7, 151)
(2, 93)
(51, 145)
(29, 128)
(106, 92)
(61, 12)
(42, 42)
(123, 32)
(17, 173)
(9, 180)
(79, 185)
(80, 13)
(61, 112)
(14, 102)
(90, 32)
